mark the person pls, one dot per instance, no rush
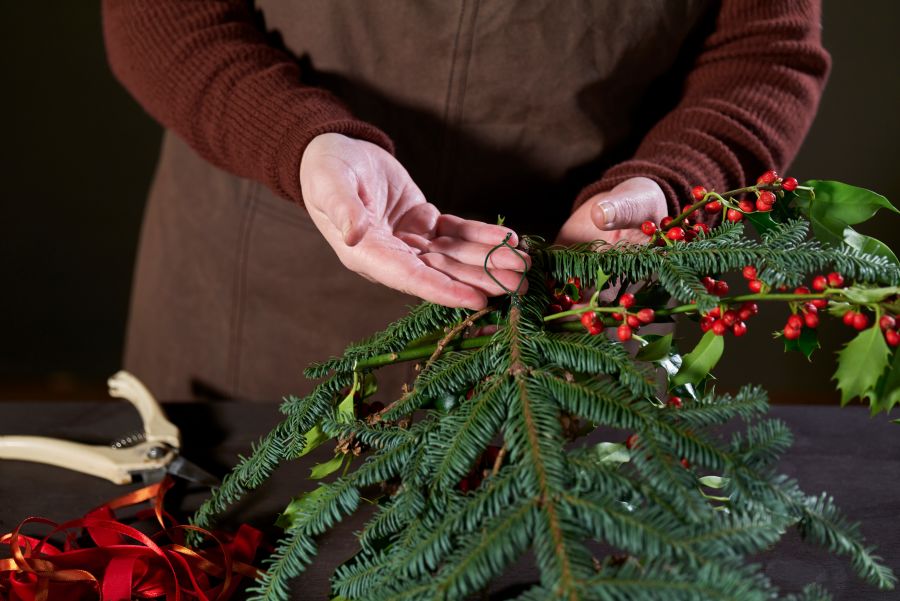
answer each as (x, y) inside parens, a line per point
(310, 143)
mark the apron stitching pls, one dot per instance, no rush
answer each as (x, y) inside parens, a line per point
(463, 82)
(444, 158)
(240, 287)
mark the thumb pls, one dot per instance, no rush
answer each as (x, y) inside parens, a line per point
(347, 213)
(628, 205)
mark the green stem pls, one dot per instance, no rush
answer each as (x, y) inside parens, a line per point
(421, 352)
(710, 196)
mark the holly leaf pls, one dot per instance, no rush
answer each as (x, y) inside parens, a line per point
(346, 413)
(887, 393)
(714, 481)
(867, 296)
(298, 506)
(806, 343)
(320, 470)
(835, 205)
(699, 362)
(656, 350)
(869, 245)
(314, 438)
(860, 364)
(611, 452)
(762, 221)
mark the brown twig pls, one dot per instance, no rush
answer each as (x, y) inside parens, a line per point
(498, 461)
(443, 342)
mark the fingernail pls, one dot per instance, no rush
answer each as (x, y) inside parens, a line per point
(609, 212)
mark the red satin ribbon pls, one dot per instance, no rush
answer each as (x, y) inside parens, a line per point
(125, 563)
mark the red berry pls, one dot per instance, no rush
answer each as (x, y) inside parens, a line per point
(762, 207)
(835, 280)
(792, 333)
(811, 320)
(708, 283)
(721, 288)
(675, 401)
(801, 290)
(588, 319)
(819, 303)
(892, 337)
(749, 272)
(564, 301)
(739, 329)
(685, 463)
(676, 233)
(648, 227)
(631, 441)
(719, 328)
(848, 318)
(618, 316)
(624, 332)
(665, 221)
(555, 308)
(701, 227)
(794, 321)
(751, 307)
(765, 198)
(810, 308)
(730, 317)
(646, 315)
(887, 322)
(596, 329)
(860, 321)
(627, 300)
(633, 322)
(789, 184)
(767, 178)
(819, 283)
(706, 323)
(755, 286)
(713, 207)
(575, 281)
(747, 206)
(715, 312)
(698, 192)
(733, 215)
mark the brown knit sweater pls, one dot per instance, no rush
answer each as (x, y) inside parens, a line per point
(204, 69)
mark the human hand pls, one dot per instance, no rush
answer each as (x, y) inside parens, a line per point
(380, 226)
(617, 214)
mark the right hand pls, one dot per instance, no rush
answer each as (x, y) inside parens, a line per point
(379, 224)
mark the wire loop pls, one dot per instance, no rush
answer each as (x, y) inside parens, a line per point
(514, 294)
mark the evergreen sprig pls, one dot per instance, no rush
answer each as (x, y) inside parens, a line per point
(532, 388)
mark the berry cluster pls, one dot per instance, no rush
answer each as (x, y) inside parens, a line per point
(686, 231)
(769, 187)
(564, 296)
(632, 321)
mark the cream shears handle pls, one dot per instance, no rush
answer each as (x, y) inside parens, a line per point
(157, 428)
(115, 465)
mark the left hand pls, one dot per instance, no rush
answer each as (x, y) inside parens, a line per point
(617, 214)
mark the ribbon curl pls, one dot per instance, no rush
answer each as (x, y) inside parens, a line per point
(125, 563)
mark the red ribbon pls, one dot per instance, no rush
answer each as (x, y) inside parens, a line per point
(125, 563)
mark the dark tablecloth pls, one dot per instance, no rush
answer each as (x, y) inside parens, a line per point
(842, 451)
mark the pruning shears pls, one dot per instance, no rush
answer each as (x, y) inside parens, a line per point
(145, 456)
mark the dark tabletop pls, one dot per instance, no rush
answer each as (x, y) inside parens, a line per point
(842, 451)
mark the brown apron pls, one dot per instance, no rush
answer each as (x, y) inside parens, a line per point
(496, 107)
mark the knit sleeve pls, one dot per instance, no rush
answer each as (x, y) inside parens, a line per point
(205, 70)
(746, 105)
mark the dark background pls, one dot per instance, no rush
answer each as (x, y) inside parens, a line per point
(78, 154)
